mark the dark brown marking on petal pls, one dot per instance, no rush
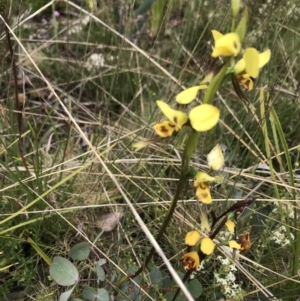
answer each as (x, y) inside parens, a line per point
(205, 195)
(163, 129)
(172, 125)
(202, 185)
(175, 119)
(235, 45)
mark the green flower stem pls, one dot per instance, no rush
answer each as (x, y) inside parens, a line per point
(187, 154)
(215, 84)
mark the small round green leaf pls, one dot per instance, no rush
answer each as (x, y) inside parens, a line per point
(63, 271)
(156, 276)
(100, 273)
(80, 251)
(132, 270)
(169, 296)
(89, 293)
(195, 288)
(102, 295)
(166, 281)
(66, 295)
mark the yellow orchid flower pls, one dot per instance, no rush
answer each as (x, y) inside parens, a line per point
(204, 117)
(247, 68)
(242, 243)
(165, 128)
(263, 59)
(201, 183)
(203, 194)
(191, 260)
(215, 158)
(176, 120)
(207, 246)
(192, 238)
(230, 226)
(226, 45)
(188, 95)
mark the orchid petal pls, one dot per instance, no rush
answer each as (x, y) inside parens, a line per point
(264, 58)
(203, 194)
(177, 117)
(165, 129)
(188, 95)
(207, 246)
(230, 225)
(192, 238)
(251, 58)
(215, 159)
(204, 117)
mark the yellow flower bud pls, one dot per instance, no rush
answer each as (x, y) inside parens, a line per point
(235, 7)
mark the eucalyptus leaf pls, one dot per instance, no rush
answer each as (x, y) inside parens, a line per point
(63, 271)
(195, 288)
(180, 274)
(152, 294)
(100, 273)
(89, 293)
(102, 295)
(166, 281)
(169, 296)
(80, 251)
(137, 279)
(66, 295)
(156, 276)
(181, 298)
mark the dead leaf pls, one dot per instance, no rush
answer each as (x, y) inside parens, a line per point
(109, 221)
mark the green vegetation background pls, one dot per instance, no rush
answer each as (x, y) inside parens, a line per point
(113, 103)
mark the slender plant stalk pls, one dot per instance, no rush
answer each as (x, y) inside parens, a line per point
(187, 154)
(18, 104)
